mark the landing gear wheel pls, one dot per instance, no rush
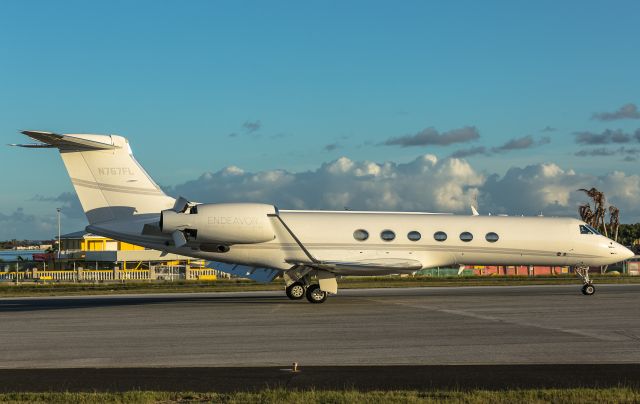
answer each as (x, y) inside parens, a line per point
(583, 272)
(295, 291)
(315, 295)
(588, 289)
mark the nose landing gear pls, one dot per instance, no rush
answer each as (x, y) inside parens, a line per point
(587, 288)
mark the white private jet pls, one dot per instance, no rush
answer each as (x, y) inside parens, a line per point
(309, 248)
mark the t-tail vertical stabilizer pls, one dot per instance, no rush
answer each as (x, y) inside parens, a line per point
(109, 181)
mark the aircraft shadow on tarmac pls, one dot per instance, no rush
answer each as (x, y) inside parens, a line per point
(25, 305)
(347, 296)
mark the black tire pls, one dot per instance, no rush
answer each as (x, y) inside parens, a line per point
(295, 291)
(588, 289)
(315, 295)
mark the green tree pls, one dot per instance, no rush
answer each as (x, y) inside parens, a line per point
(628, 233)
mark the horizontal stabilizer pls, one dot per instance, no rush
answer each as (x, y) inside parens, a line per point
(33, 145)
(262, 275)
(67, 142)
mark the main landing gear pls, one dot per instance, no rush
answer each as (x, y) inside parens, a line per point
(587, 288)
(295, 291)
(301, 284)
(313, 293)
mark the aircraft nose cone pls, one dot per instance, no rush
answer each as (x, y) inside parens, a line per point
(627, 253)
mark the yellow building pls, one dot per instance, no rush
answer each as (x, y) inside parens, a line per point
(102, 252)
(82, 241)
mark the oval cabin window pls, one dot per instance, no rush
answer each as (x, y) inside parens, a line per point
(387, 235)
(361, 235)
(414, 236)
(440, 236)
(492, 237)
(466, 236)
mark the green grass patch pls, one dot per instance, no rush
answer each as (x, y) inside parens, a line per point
(605, 395)
(8, 289)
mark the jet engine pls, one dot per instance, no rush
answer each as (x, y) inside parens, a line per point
(220, 224)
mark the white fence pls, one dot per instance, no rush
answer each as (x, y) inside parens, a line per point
(167, 273)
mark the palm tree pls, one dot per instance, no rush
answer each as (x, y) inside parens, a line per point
(614, 221)
(598, 201)
(586, 214)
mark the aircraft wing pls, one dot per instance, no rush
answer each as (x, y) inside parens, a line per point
(370, 264)
(258, 274)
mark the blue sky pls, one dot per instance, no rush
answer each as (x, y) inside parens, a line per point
(201, 85)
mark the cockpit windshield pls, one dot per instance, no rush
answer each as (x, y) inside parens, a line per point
(586, 229)
(593, 230)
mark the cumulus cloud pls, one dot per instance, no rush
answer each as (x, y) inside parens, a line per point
(600, 151)
(43, 226)
(21, 225)
(248, 127)
(630, 153)
(524, 142)
(252, 126)
(627, 111)
(549, 189)
(425, 183)
(68, 201)
(608, 136)
(472, 151)
(431, 137)
(332, 147)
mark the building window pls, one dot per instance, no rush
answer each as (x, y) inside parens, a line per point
(387, 235)
(361, 235)
(414, 236)
(440, 236)
(466, 236)
(491, 237)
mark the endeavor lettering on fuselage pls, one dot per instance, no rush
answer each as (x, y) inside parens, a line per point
(247, 221)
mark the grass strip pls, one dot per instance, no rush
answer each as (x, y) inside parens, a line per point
(578, 395)
(8, 289)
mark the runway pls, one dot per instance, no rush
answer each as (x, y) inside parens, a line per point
(416, 326)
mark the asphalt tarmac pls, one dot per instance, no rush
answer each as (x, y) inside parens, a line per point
(410, 328)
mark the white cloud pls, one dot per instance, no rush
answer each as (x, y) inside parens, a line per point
(549, 189)
(424, 184)
(21, 224)
(430, 136)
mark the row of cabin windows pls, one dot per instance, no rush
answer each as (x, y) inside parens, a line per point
(390, 235)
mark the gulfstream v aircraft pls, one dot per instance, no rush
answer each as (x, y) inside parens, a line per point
(309, 248)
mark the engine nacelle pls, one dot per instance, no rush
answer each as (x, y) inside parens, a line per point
(224, 223)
